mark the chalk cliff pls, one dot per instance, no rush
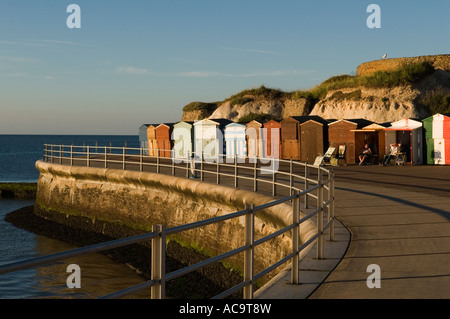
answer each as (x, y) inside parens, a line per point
(417, 94)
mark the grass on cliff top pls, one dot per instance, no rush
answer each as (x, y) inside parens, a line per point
(200, 106)
(262, 117)
(406, 75)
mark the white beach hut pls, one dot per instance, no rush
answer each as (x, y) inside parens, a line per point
(209, 138)
(235, 140)
(441, 137)
(409, 133)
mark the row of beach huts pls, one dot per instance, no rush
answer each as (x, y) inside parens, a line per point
(301, 138)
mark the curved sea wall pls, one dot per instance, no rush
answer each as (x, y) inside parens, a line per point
(108, 200)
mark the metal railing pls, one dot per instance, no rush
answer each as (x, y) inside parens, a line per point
(68, 155)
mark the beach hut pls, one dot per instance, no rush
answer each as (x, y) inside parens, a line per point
(441, 126)
(428, 146)
(272, 139)
(313, 139)
(441, 137)
(183, 139)
(409, 133)
(209, 138)
(291, 135)
(254, 139)
(143, 141)
(152, 143)
(342, 132)
(290, 138)
(163, 134)
(374, 136)
(235, 140)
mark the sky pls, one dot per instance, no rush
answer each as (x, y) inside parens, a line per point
(140, 61)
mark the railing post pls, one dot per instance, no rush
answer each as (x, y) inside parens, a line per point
(255, 175)
(235, 171)
(158, 262)
(88, 156)
(188, 160)
(60, 153)
(291, 178)
(295, 238)
(172, 156)
(44, 151)
(274, 179)
(320, 214)
(201, 166)
(106, 159)
(249, 252)
(306, 184)
(157, 161)
(331, 207)
(71, 155)
(141, 159)
(218, 170)
(124, 157)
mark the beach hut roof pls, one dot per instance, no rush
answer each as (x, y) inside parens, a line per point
(306, 118)
(376, 126)
(217, 121)
(236, 124)
(360, 123)
(441, 115)
(405, 124)
(169, 125)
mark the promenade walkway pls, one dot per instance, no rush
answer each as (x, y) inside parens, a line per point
(399, 219)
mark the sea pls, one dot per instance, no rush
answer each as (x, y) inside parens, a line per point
(98, 275)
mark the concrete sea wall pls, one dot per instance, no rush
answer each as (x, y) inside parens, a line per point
(108, 201)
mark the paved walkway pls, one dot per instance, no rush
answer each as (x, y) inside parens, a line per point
(399, 219)
(395, 217)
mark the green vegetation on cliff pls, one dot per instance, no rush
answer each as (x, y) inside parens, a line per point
(200, 106)
(436, 101)
(407, 74)
(257, 117)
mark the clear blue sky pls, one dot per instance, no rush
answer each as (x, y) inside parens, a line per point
(135, 62)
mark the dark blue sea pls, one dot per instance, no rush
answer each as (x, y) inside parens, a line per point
(99, 274)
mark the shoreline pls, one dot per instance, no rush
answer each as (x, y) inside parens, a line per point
(196, 285)
(18, 190)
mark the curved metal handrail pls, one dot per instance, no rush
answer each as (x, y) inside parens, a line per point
(159, 233)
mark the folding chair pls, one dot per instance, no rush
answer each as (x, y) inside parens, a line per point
(328, 154)
(341, 154)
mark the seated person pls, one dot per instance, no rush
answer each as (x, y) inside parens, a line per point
(394, 150)
(365, 152)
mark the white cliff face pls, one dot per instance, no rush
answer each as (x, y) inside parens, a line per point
(377, 105)
(235, 112)
(382, 104)
(278, 108)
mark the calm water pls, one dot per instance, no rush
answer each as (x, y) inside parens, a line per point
(99, 274)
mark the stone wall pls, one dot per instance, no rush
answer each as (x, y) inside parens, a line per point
(139, 200)
(438, 61)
